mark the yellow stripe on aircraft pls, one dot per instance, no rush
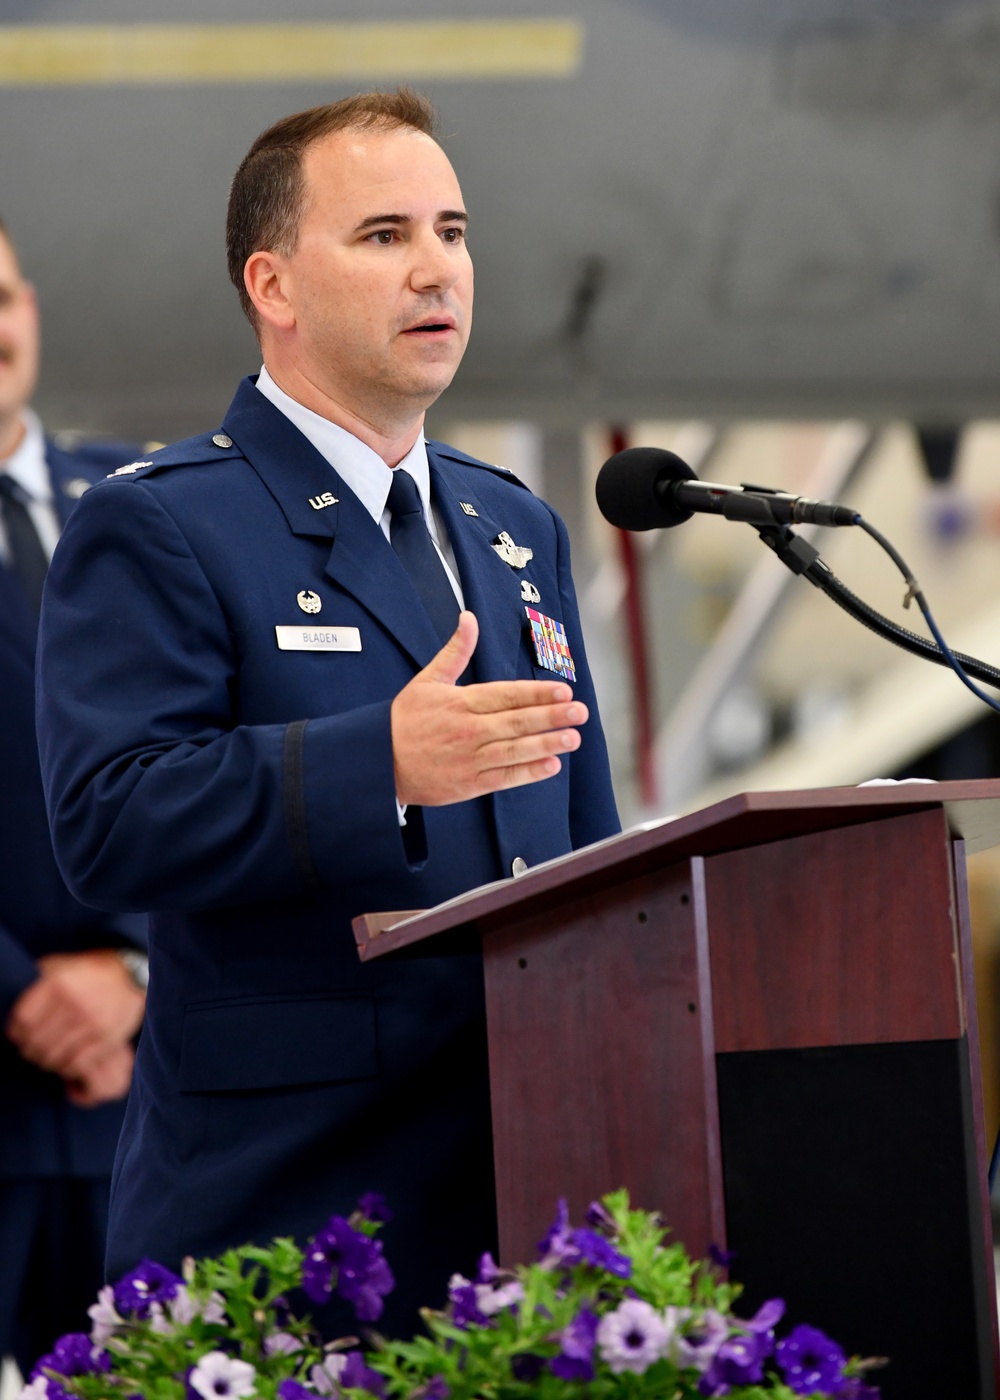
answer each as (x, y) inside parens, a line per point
(113, 54)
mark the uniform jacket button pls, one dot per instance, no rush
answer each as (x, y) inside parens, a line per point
(518, 865)
(222, 440)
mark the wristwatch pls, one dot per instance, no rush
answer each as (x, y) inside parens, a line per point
(136, 964)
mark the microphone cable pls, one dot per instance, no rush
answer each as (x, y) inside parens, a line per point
(800, 556)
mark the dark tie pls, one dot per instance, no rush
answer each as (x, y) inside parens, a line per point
(28, 560)
(411, 540)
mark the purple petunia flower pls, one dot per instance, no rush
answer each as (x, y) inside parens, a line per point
(343, 1258)
(575, 1361)
(767, 1316)
(553, 1248)
(464, 1301)
(856, 1388)
(375, 1207)
(489, 1270)
(148, 1283)
(293, 1390)
(632, 1337)
(595, 1249)
(810, 1360)
(738, 1361)
(73, 1355)
(723, 1258)
(357, 1376)
(563, 1248)
(437, 1388)
(599, 1218)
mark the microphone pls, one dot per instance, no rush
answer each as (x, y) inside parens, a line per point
(647, 488)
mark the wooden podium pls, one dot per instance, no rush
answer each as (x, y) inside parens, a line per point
(760, 1019)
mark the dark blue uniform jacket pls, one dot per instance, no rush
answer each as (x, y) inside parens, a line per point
(246, 794)
(41, 1135)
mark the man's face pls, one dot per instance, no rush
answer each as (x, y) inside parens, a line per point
(381, 279)
(19, 340)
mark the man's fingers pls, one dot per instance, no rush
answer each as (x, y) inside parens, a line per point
(507, 754)
(492, 697)
(456, 653)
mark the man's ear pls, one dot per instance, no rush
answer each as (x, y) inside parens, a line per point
(264, 279)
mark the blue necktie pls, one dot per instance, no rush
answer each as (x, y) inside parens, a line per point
(410, 538)
(28, 560)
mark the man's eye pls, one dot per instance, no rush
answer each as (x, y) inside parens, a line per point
(453, 235)
(383, 237)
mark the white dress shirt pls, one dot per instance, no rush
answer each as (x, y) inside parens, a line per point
(363, 470)
(29, 469)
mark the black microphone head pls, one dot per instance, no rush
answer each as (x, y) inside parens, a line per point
(632, 488)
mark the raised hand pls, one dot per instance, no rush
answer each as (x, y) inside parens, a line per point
(453, 742)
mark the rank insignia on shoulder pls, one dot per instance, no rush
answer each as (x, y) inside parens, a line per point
(309, 602)
(513, 554)
(469, 508)
(551, 647)
(529, 592)
(129, 467)
(321, 502)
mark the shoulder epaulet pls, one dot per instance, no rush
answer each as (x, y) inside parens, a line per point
(441, 449)
(192, 452)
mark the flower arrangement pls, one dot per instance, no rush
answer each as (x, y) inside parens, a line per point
(610, 1311)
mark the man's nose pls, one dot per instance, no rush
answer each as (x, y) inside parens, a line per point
(435, 264)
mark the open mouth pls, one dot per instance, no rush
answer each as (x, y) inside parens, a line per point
(431, 327)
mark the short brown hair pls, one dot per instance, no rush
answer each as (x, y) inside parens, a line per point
(265, 200)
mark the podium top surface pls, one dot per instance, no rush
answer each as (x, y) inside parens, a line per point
(972, 809)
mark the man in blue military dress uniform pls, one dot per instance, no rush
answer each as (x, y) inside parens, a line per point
(68, 1005)
(252, 723)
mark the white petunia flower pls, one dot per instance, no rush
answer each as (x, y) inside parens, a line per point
(632, 1337)
(217, 1374)
(325, 1376)
(104, 1316)
(281, 1344)
(38, 1389)
(491, 1300)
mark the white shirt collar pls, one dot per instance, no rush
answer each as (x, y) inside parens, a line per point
(27, 466)
(358, 466)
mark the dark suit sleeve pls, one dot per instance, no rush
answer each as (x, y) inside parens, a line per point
(158, 797)
(17, 972)
(593, 814)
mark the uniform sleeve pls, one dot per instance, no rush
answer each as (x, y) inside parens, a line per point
(158, 797)
(17, 972)
(593, 813)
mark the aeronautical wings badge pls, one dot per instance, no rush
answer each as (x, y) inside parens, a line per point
(515, 555)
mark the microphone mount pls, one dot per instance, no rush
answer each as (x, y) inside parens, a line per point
(645, 488)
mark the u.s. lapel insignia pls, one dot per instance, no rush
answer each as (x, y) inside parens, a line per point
(515, 555)
(551, 646)
(75, 487)
(309, 602)
(529, 592)
(321, 502)
(469, 508)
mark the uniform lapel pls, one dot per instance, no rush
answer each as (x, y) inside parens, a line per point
(362, 562)
(491, 588)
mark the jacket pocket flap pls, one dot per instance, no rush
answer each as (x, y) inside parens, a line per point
(268, 1044)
